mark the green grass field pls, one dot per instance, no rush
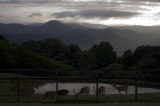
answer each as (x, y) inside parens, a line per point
(106, 104)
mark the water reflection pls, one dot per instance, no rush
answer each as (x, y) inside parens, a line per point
(71, 87)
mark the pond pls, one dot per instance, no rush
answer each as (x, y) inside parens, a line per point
(75, 87)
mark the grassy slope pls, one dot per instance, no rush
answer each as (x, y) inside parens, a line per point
(107, 104)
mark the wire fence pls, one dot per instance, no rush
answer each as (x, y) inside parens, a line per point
(44, 86)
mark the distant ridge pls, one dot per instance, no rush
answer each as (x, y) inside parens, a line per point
(85, 37)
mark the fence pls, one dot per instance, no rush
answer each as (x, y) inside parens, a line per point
(20, 86)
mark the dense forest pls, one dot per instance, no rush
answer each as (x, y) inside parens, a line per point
(52, 54)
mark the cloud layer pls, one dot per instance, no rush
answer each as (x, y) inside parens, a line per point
(35, 15)
(91, 11)
(103, 14)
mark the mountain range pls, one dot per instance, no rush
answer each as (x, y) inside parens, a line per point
(121, 38)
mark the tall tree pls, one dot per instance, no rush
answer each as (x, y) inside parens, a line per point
(87, 60)
(147, 57)
(49, 47)
(104, 54)
(6, 57)
(73, 55)
(127, 59)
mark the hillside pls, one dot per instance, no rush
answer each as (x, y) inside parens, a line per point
(85, 37)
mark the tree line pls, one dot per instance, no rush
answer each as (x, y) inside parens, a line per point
(71, 60)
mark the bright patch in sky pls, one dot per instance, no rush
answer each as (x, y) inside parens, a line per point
(149, 17)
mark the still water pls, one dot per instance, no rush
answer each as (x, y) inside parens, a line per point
(75, 87)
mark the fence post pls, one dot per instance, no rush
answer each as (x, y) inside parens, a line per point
(136, 91)
(97, 86)
(56, 90)
(18, 86)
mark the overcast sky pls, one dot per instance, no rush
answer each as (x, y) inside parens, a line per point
(106, 12)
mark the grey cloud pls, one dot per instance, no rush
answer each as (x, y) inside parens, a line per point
(31, 1)
(35, 15)
(60, 1)
(88, 10)
(147, 0)
(158, 14)
(95, 14)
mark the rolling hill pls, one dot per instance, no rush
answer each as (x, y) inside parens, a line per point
(85, 37)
